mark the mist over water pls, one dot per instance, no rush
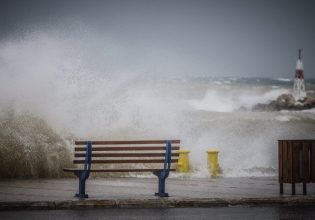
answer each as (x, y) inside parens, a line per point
(83, 92)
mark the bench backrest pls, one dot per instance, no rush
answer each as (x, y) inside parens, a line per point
(146, 152)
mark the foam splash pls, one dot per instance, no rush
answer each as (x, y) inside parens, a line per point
(53, 80)
(284, 79)
(30, 148)
(229, 101)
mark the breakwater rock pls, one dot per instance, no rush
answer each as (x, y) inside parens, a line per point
(286, 102)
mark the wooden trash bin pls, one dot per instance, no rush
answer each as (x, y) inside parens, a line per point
(296, 163)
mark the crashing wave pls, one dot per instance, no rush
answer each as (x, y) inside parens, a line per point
(30, 148)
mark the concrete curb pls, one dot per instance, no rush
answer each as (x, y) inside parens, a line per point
(158, 203)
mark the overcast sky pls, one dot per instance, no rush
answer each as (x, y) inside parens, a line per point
(177, 37)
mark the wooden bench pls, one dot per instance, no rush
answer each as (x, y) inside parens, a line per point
(296, 163)
(154, 156)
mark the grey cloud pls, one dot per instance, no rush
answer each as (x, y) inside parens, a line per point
(210, 38)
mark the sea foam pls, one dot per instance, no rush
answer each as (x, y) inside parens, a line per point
(55, 81)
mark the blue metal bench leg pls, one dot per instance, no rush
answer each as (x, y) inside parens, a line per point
(82, 178)
(161, 192)
(163, 174)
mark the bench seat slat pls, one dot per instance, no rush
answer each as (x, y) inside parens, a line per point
(115, 170)
(126, 154)
(124, 161)
(125, 148)
(127, 142)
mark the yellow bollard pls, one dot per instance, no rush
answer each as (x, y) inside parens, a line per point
(213, 162)
(183, 161)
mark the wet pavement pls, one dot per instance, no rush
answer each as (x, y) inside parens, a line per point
(139, 192)
(131, 188)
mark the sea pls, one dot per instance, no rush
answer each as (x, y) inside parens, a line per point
(203, 112)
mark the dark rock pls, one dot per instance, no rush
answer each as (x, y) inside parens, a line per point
(285, 102)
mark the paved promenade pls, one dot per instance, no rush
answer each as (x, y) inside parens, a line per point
(139, 192)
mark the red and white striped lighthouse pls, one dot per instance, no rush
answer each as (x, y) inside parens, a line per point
(299, 85)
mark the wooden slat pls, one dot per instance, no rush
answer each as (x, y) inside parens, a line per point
(300, 140)
(125, 148)
(296, 165)
(115, 170)
(126, 154)
(290, 162)
(280, 161)
(306, 162)
(124, 161)
(312, 158)
(285, 161)
(127, 142)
